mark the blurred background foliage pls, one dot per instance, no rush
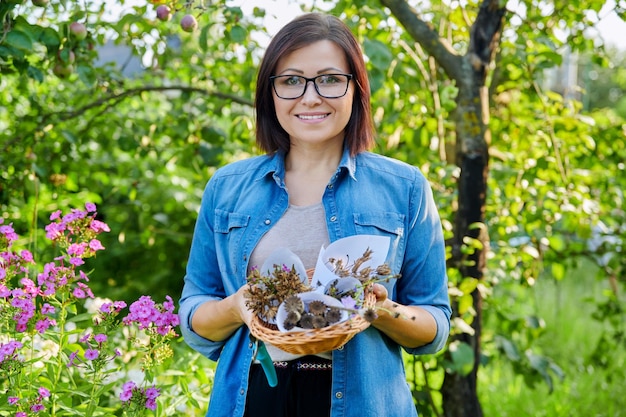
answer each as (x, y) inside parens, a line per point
(141, 135)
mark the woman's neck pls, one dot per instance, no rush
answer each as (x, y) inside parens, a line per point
(307, 174)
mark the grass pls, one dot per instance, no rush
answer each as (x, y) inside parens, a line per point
(570, 337)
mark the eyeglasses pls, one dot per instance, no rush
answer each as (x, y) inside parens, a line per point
(290, 87)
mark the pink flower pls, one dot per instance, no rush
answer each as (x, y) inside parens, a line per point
(79, 293)
(77, 249)
(54, 230)
(98, 226)
(77, 262)
(95, 245)
(13, 400)
(90, 207)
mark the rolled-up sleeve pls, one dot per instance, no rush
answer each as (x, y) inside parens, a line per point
(202, 281)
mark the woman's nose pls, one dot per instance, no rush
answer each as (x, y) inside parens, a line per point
(311, 96)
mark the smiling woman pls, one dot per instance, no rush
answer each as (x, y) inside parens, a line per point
(316, 184)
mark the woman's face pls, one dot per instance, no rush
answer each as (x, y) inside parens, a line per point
(312, 120)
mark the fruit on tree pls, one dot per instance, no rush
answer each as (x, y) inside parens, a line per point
(40, 3)
(188, 23)
(61, 70)
(163, 13)
(78, 30)
(66, 56)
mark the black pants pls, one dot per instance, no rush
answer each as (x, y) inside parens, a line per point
(303, 390)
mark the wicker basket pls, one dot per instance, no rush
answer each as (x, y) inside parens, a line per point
(310, 342)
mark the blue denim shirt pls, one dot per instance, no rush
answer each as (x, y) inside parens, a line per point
(369, 194)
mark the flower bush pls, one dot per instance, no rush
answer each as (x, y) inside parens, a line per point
(65, 352)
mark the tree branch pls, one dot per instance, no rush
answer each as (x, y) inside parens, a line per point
(118, 97)
(111, 100)
(426, 36)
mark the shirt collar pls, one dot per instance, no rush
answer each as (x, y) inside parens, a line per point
(275, 165)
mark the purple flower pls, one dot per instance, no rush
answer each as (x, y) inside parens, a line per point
(27, 256)
(90, 207)
(152, 393)
(13, 400)
(37, 408)
(151, 404)
(47, 309)
(100, 338)
(91, 354)
(44, 392)
(348, 302)
(72, 358)
(79, 293)
(42, 325)
(21, 414)
(127, 391)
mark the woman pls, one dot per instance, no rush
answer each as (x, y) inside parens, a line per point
(317, 183)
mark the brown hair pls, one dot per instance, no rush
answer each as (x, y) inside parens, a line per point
(300, 32)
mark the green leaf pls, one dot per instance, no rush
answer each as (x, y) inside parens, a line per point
(237, 34)
(50, 38)
(378, 53)
(462, 356)
(35, 73)
(509, 348)
(86, 74)
(19, 40)
(558, 271)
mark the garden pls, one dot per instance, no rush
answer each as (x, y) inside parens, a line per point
(102, 170)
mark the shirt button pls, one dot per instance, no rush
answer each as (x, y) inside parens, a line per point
(330, 186)
(339, 395)
(340, 348)
(267, 221)
(242, 391)
(333, 218)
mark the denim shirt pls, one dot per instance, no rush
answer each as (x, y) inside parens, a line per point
(369, 194)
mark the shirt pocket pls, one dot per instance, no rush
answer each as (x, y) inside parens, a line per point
(229, 229)
(389, 224)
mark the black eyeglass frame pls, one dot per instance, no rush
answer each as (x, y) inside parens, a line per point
(306, 85)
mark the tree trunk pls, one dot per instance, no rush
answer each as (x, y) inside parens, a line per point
(460, 394)
(460, 397)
